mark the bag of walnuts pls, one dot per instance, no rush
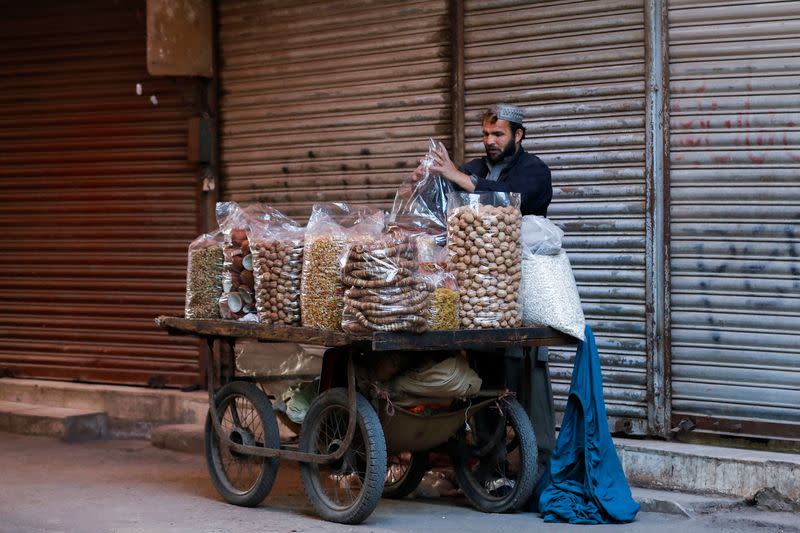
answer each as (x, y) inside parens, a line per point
(277, 248)
(483, 232)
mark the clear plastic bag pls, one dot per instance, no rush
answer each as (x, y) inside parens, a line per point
(421, 206)
(483, 232)
(277, 248)
(238, 281)
(330, 230)
(204, 276)
(445, 299)
(382, 291)
(238, 298)
(548, 289)
(540, 236)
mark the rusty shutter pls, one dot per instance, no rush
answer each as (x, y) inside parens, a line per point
(578, 71)
(735, 216)
(329, 101)
(97, 201)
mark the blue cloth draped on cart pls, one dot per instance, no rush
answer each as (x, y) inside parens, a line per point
(585, 483)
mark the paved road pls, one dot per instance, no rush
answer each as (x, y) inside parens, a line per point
(132, 487)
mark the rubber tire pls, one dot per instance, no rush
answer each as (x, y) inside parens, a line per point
(269, 466)
(477, 495)
(370, 433)
(411, 477)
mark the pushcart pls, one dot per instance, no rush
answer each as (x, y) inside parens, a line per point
(348, 434)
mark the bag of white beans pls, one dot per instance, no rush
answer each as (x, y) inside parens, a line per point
(548, 290)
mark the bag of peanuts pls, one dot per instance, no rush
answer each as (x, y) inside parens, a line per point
(483, 232)
(331, 229)
(383, 292)
(204, 276)
(549, 292)
(421, 205)
(276, 243)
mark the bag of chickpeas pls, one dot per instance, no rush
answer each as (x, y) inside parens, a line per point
(331, 228)
(276, 244)
(483, 232)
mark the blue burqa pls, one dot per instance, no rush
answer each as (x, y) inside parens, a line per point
(585, 483)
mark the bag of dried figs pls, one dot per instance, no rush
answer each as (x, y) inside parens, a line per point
(483, 233)
(383, 291)
(204, 276)
(276, 244)
(330, 230)
(549, 292)
(421, 205)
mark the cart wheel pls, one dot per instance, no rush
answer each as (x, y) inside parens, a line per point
(404, 473)
(246, 417)
(494, 458)
(347, 490)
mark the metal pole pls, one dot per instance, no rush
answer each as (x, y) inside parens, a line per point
(659, 391)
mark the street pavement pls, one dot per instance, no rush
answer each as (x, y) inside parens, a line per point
(129, 486)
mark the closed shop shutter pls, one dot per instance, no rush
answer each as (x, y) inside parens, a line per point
(735, 216)
(329, 100)
(577, 69)
(97, 200)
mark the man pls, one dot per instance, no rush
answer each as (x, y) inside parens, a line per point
(507, 167)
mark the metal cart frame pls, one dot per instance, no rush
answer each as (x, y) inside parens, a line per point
(338, 366)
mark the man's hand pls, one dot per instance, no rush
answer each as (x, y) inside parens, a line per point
(443, 166)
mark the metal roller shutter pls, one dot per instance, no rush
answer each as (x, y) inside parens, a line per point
(735, 216)
(97, 201)
(329, 100)
(577, 68)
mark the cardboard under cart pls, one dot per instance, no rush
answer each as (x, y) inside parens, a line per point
(345, 438)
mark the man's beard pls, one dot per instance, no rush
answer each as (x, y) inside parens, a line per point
(509, 150)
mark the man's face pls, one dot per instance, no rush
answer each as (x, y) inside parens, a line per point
(498, 141)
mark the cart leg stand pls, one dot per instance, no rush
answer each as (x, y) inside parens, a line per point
(527, 372)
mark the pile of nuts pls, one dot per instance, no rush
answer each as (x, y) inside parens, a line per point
(278, 268)
(383, 293)
(321, 285)
(238, 283)
(484, 254)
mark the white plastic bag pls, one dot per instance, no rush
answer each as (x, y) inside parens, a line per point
(548, 290)
(540, 236)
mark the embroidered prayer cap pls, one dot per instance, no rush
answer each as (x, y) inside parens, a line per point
(510, 113)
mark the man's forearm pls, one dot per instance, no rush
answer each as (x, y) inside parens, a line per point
(462, 180)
